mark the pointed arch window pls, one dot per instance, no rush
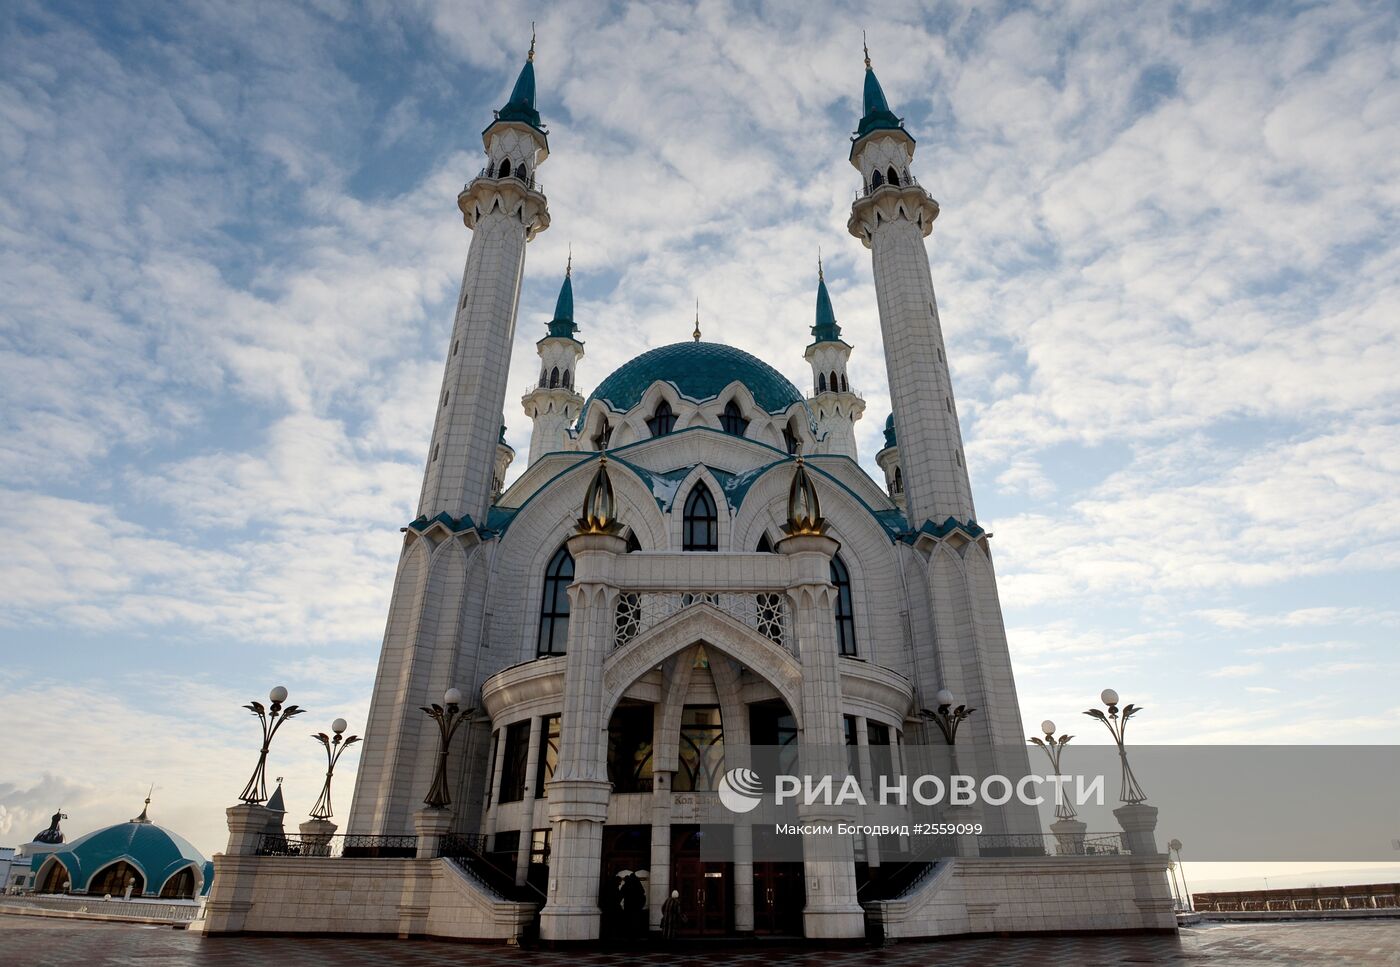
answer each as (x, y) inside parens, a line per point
(554, 606)
(876, 179)
(505, 168)
(845, 610)
(732, 419)
(701, 521)
(898, 481)
(893, 176)
(790, 438)
(603, 436)
(180, 886)
(554, 377)
(663, 420)
(568, 380)
(833, 383)
(765, 546)
(821, 382)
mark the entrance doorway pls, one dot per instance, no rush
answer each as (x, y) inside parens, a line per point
(622, 893)
(779, 894)
(706, 886)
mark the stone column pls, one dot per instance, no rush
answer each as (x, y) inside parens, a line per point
(660, 838)
(1139, 822)
(316, 836)
(832, 910)
(494, 793)
(246, 826)
(431, 825)
(867, 784)
(579, 791)
(527, 805)
(1069, 836)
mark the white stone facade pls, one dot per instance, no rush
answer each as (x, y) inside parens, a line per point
(607, 666)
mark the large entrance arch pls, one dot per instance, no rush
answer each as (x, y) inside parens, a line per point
(722, 688)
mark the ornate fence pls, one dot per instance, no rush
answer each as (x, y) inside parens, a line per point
(348, 846)
(765, 612)
(98, 906)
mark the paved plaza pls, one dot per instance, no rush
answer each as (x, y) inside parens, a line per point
(35, 942)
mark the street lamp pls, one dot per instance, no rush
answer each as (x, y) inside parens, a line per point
(256, 790)
(1054, 748)
(447, 720)
(334, 747)
(1174, 846)
(946, 717)
(1132, 792)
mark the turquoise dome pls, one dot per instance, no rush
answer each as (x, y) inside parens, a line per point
(699, 371)
(155, 851)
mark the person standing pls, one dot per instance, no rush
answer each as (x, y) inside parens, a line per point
(671, 915)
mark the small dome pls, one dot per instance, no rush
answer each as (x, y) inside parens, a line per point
(155, 852)
(699, 371)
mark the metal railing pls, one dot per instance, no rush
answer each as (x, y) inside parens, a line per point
(909, 182)
(346, 845)
(493, 872)
(99, 906)
(1323, 899)
(531, 183)
(764, 611)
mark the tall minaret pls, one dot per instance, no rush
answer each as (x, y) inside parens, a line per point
(892, 215)
(505, 208)
(835, 406)
(554, 403)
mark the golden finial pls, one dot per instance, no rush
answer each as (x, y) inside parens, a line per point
(821, 277)
(569, 265)
(531, 55)
(862, 43)
(696, 334)
(804, 506)
(599, 504)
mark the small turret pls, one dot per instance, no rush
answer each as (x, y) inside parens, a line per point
(554, 403)
(888, 459)
(834, 404)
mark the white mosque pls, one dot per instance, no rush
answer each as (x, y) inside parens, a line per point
(692, 564)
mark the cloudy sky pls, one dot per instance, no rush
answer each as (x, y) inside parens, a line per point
(1167, 266)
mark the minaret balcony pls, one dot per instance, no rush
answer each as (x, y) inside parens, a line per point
(509, 192)
(887, 202)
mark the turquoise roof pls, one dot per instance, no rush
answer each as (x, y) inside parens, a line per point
(890, 438)
(699, 371)
(157, 852)
(877, 114)
(826, 329)
(562, 325)
(521, 106)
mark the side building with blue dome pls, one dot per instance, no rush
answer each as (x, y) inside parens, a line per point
(148, 860)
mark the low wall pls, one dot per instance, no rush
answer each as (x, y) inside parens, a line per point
(397, 897)
(991, 895)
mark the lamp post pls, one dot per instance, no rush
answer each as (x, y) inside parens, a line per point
(447, 719)
(1174, 846)
(256, 790)
(334, 747)
(1131, 792)
(948, 717)
(1054, 748)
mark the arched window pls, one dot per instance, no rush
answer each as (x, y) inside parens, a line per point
(554, 377)
(790, 438)
(876, 179)
(544, 379)
(505, 167)
(845, 387)
(765, 546)
(114, 879)
(633, 544)
(568, 380)
(662, 421)
(701, 521)
(832, 382)
(180, 886)
(845, 611)
(821, 382)
(56, 879)
(732, 419)
(554, 607)
(522, 173)
(893, 176)
(898, 481)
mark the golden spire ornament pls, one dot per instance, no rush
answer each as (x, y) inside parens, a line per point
(863, 44)
(696, 334)
(804, 507)
(531, 55)
(599, 504)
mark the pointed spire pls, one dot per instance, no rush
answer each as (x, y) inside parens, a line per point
(877, 113)
(696, 334)
(599, 503)
(826, 329)
(521, 105)
(804, 507)
(276, 803)
(562, 326)
(143, 818)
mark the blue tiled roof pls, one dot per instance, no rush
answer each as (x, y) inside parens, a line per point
(826, 329)
(157, 852)
(877, 114)
(562, 325)
(521, 106)
(699, 371)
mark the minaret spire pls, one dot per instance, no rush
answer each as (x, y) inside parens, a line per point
(834, 404)
(531, 55)
(144, 818)
(553, 404)
(696, 334)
